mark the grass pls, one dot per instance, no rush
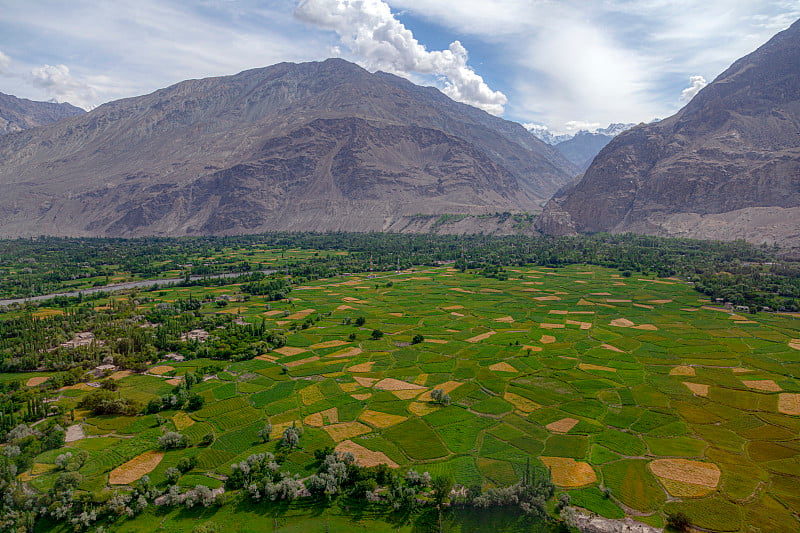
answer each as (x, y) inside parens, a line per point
(633, 484)
(592, 499)
(416, 439)
(238, 441)
(713, 513)
(623, 443)
(492, 406)
(678, 446)
(574, 446)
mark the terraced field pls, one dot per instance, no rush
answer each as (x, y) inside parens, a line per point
(627, 385)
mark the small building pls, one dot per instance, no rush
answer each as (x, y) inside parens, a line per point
(102, 370)
(84, 338)
(199, 335)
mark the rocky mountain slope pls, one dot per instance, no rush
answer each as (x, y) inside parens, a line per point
(17, 114)
(309, 147)
(726, 166)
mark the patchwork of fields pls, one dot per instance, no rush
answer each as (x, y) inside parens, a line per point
(641, 398)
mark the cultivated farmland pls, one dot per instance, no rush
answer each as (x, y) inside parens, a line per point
(641, 397)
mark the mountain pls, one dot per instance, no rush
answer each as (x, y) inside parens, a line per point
(726, 166)
(581, 147)
(322, 146)
(17, 114)
(543, 133)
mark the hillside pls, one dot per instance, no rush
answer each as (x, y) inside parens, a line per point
(314, 146)
(17, 114)
(726, 166)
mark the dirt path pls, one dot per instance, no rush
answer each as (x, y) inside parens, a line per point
(74, 432)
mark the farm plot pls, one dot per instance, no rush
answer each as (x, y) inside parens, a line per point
(610, 382)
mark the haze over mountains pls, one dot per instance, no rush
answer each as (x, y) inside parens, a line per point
(17, 114)
(725, 166)
(314, 147)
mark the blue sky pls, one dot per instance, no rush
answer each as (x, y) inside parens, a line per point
(564, 63)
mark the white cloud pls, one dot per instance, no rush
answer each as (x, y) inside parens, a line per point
(132, 47)
(696, 83)
(63, 86)
(557, 61)
(574, 126)
(370, 30)
(610, 61)
(5, 62)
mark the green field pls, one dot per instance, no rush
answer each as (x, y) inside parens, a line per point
(595, 369)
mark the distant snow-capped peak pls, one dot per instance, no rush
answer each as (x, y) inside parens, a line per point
(543, 132)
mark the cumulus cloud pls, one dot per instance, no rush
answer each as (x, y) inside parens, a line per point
(696, 83)
(370, 30)
(63, 86)
(5, 61)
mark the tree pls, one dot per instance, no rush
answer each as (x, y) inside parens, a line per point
(153, 406)
(563, 500)
(173, 439)
(195, 402)
(291, 437)
(67, 481)
(172, 474)
(265, 432)
(678, 521)
(376, 334)
(360, 321)
(200, 494)
(441, 485)
(186, 463)
(417, 339)
(61, 461)
(440, 396)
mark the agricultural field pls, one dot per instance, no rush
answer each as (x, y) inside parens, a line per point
(640, 397)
